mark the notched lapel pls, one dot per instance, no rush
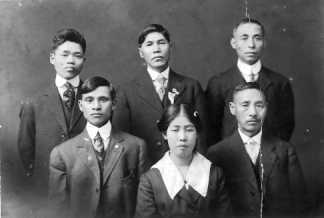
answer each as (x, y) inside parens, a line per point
(56, 107)
(147, 92)
(175, 83)
(269, 158)
(264, 80)
(115, 150)
(76, 114)
(88, 156)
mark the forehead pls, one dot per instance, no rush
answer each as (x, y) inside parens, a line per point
(251, 95)
(154, 36)
(101, 91)
(248, 29)
(69, 47)
(180, 120)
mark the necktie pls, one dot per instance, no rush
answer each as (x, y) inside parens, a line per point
(69, 96)
(98, 144)
(253, 150)
(160, 85)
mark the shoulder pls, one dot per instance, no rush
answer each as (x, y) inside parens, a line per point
(185, 79)
(222, 77)
(69, 145)
(152, 176)
(130, 139)
(275, 76)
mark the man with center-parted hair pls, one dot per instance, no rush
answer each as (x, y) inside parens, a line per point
(95, 174)
(262, 172)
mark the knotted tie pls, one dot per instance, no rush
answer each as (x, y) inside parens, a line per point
(252, 150)
(69, 96)
(160, 85)
(98, 145)
(252, 77)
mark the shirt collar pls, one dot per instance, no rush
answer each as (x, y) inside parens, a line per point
(246, 69)
(197, 176)
(60, 81)
(154, 74)
(104, 131)
(256, 138)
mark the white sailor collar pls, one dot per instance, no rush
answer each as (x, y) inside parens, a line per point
(197, 176)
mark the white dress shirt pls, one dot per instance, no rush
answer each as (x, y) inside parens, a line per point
(60, 83)
(246, 70)
(252, 149)
(104, 132)
(154, 75)
(197, 176)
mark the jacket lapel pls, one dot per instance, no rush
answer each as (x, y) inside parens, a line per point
(88, 156)
(147, 92)
(264, 80)
(175, 85)
(115, 149)
(76, 113)
(54, 100)
(244, 168)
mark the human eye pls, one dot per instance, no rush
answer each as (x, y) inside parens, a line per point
(260, 105)
(191, 129)
(162, 42)
(78, 55)
(104, 99)
(88, 99)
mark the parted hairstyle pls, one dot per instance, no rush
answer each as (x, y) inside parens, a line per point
(92, 83)
(248, 85)
(151, 28)
(173, 111)
(245, 20)
(68, 34)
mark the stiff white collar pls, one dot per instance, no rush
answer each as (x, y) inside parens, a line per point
(254, 149)
(197, 176)
(154, 74)
(60, 81)
(247, 69)
(245, 138)
(104, 132)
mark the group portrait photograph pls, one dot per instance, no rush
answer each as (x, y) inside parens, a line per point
(161, 109)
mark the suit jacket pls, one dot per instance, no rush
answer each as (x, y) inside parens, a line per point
(139, 108)
(283, 184)
(280, 113)
(153, 199)
(75, 187)
(42, 126)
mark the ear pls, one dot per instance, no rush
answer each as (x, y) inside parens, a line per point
(140, 52)
(80, 105)
(232, 108)
(52, 57)
(233, 43)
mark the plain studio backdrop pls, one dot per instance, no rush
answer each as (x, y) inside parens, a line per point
(200, 31)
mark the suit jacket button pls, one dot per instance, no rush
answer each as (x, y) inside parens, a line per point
(97, 190)
(159, 143)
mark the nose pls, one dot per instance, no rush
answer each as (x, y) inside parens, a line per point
(70, 59)
(96, 105)
(182, 135)
(251, 43)
(156, 48)
(252, 111)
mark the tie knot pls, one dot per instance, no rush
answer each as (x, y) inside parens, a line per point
(68, 85)
(160, 79)
(252, 142)
(98, 142)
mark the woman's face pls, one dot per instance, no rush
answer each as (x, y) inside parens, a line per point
(181, 136)
(155, 50)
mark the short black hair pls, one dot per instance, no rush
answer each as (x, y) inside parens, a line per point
(92, 83)
(172, 111)
(245, 20)
(151, 28)
(68, 34)
(248, 85)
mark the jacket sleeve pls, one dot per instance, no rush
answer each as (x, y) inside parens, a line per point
(122, 115)
(58, 184)
(287, 114)
(297, 183)
(215, 110)
(142, 163)
(146, 207)
(26, 137)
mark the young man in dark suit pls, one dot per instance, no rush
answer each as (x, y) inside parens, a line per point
(248, 41)
(262, 172)
(141, 101)
(52, 116)
(95, 174)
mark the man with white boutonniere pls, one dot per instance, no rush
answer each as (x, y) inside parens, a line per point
(141, 101)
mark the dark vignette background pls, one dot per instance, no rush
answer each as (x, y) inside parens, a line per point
(200, 30)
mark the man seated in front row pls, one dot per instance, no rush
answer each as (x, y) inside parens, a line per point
(262, 172)
(95, 174)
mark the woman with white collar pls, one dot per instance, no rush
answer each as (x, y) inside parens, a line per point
(183, 183)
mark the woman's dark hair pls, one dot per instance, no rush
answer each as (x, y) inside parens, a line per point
(151, 28)
(92, 83)
(171, 112)
(71, 35)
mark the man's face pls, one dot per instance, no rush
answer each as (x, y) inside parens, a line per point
(97, 106)
(155, 51)
(249, 108)
(67, 59)
(248, 41)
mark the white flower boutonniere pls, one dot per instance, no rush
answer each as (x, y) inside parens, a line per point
(171, 95)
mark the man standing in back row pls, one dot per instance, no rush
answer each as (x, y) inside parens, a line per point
(249, 41)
